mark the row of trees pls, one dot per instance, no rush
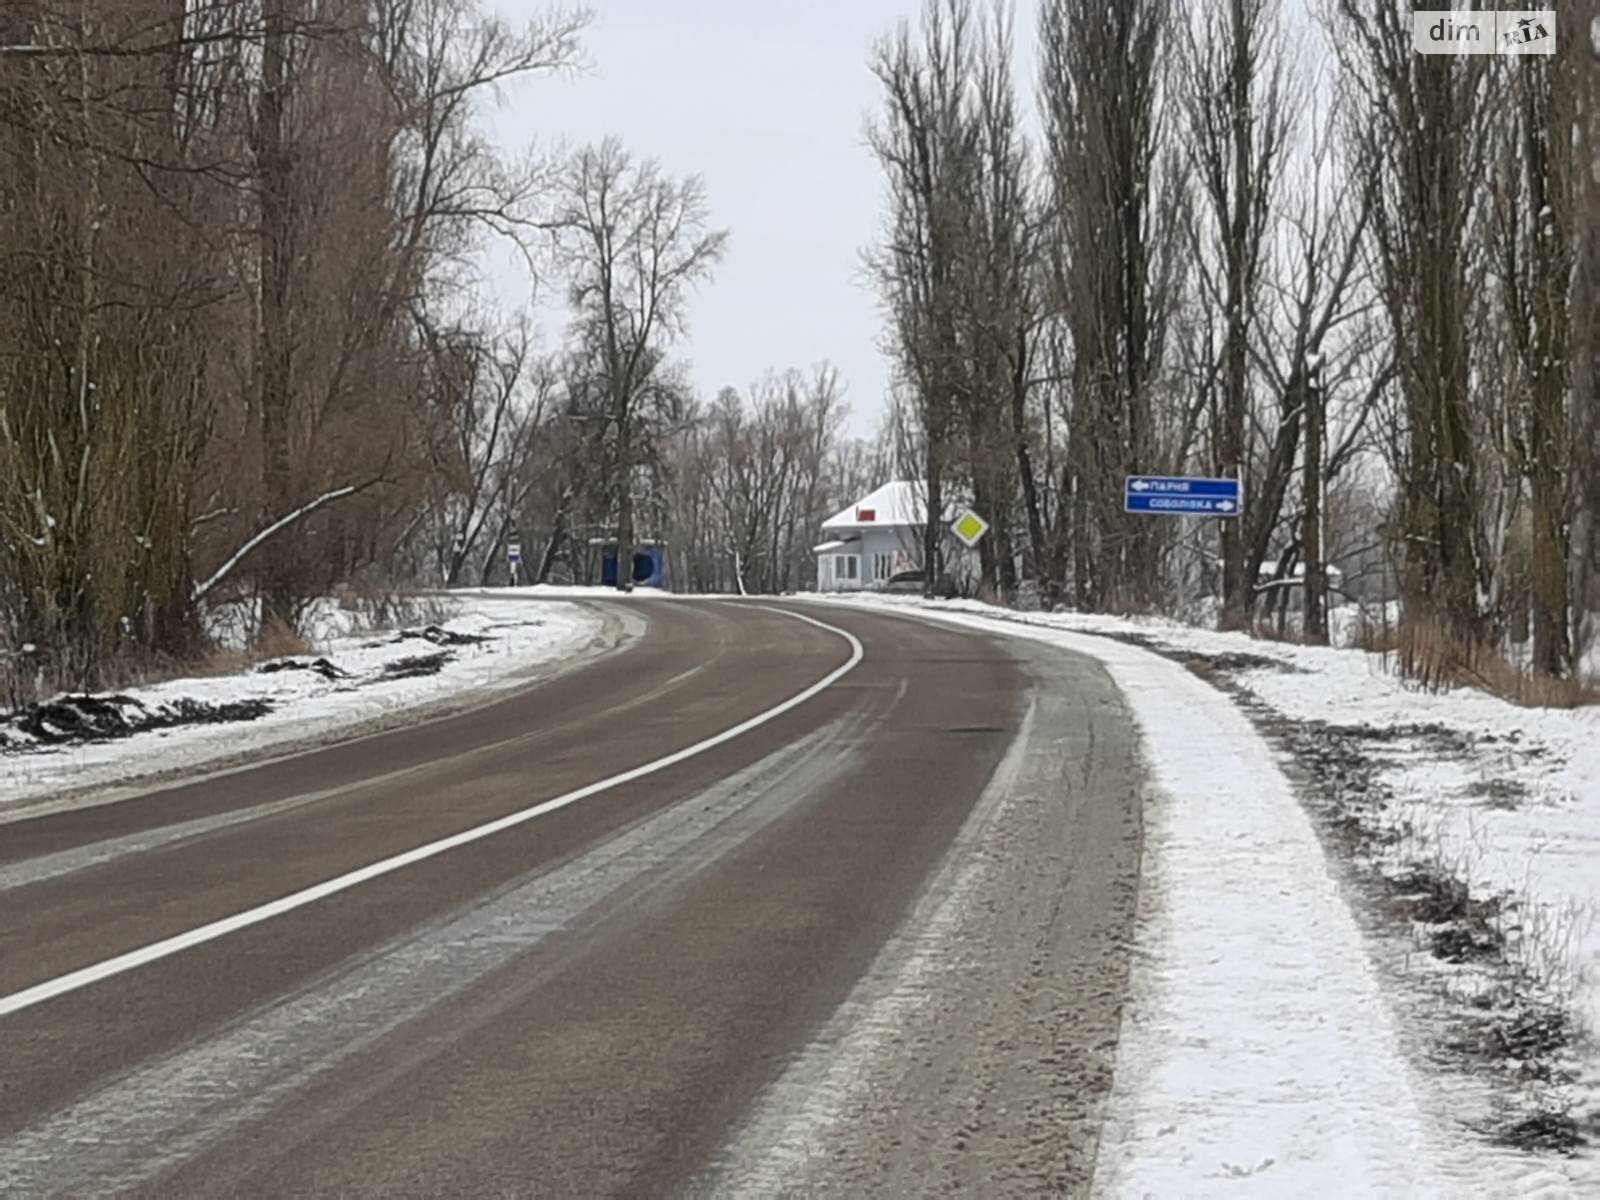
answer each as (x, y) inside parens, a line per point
(736, 488)
(240, 358)
(1223, 256)
(234, 236)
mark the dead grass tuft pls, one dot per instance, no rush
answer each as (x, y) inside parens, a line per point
(1436, 659)
(1375, 635)
(1266, 629)
(34, 678)
(280, 641)
(276, 641)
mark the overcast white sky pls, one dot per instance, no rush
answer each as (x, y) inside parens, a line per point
(766, 100)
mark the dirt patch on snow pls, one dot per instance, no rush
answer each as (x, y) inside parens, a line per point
(416, 665)
(75, 720)
(317, 666)
(440, 636)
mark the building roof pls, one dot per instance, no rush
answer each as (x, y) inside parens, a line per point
(901, 502)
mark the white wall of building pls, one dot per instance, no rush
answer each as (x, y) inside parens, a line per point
(870, 554)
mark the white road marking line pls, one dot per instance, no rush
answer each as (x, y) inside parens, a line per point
(51, 866)
(167, 947)
(124, 1136)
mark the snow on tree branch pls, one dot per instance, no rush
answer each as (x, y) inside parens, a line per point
(281, 523)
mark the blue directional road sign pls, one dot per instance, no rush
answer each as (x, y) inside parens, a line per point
(1178, 496)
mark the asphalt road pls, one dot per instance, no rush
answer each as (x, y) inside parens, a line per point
(865, 928)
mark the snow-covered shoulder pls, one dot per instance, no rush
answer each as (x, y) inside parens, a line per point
(1262, 1053)
(355, 683)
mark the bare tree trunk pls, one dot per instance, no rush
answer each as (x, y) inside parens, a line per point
(1082, 571)
(1235, 587)
(1427, 132)
(273, 363)
(1044, 565)
(933, 525)
(1237, 128)
(1316, 580)
(1275, 480)
(1551, 113)
(1585, 340)
(624, 507)
(1114, 193)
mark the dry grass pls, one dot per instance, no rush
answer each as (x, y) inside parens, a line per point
(1375, 634)
(34, 677)
(1436, 659)
(1265, 629)
(276, 641)
(20, 688)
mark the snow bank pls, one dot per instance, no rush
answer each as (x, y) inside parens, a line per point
(379, 678)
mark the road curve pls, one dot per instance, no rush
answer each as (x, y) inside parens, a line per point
(777, 897)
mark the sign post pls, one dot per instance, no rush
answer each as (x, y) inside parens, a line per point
(1183, 496)
(514, 557)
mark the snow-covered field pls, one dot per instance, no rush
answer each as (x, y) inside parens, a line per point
(1271, 1049)
(376, 680)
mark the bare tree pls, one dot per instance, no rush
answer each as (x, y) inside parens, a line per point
(108, 310)
(754, 477)
(634, 243)
(353, 227)
(227, 228)
(1538, 229)
(1002, 309)
(926, 142)
(507, 394)
(1118, 199)
(1320, 357)
(1236, 106)
(1425, 124)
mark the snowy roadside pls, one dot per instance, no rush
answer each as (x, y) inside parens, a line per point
(1280, 1040)
(354, 684)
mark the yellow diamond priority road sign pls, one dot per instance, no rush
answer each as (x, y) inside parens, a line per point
(970, 528)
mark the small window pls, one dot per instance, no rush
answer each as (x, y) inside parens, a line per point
(846, 566)
(882, 567)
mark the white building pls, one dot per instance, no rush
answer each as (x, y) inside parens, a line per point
(880, 535)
